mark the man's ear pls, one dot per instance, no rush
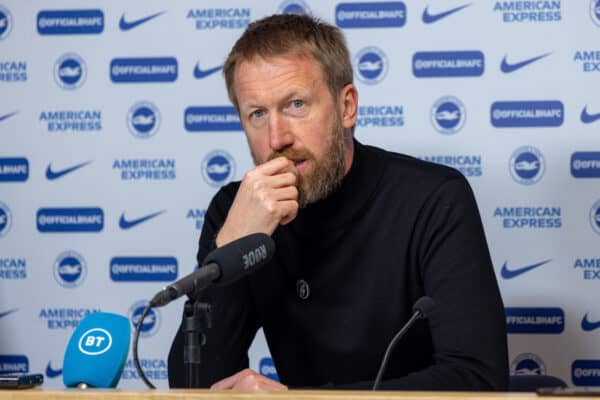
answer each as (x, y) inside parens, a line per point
(348, 105)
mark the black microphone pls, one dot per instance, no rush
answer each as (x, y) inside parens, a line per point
(222, 266)
(421, 309)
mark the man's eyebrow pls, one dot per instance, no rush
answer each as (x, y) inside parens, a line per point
(292, 94)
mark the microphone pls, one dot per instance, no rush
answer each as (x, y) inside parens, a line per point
(421, 309)
(222, 266)
(97, 350)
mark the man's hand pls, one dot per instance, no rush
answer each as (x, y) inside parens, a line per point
(247, 379)
(267, 197)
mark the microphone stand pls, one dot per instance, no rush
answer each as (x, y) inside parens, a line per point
(196, 320)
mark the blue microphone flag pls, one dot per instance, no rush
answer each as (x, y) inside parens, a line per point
(97, 351)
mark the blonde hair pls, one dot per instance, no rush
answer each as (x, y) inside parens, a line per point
(284, 34)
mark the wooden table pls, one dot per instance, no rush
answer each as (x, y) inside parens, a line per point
(179, 394)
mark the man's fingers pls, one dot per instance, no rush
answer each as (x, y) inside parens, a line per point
(284, 179)
(275, 165)
(289, 210)
(285, 193)
(247, 379)
(230, 381)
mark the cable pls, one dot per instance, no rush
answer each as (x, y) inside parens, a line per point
(401, 333)
(136, 337)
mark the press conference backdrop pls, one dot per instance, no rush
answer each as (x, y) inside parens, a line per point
(116, 132)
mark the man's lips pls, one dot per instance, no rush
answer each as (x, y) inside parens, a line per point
(300, 164)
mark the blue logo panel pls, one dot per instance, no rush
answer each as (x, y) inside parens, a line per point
(14, 169)
(527, 114)
(585, 372)
(136, 70)
(70, 219)
(595, 217)
(5, 22)
(448, 115)
(528, 364)
(95, 341)
(267, 368)
(70, 71)
(12, 70)
(14, 364)
(371, 65)
(143, 269)
(5, 219)
(143, 119)
(450, 64)
(534, 320)
(390, 14)
(12, 268)
(151, 323)
(595, 11)
(527, 165)
(222, 18)
(585, 164)
(52, 372)
(211, 119)
(297, 7)
(156, 368)
(70, 22)
(430, 18)
(126, 25)
(218, 168)
(526, 11)
(70, 269)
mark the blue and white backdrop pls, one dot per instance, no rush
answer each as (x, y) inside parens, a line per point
(116, 131)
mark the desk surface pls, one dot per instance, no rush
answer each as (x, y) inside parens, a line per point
(178, 394)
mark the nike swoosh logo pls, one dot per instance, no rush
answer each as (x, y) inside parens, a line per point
(128, 25)
(52, 175)
(508, 68)
(5, 313)
(203, 73)
(52, 373)
(431, 18)
(588, 118)
(512, 273)
(7, 116)
(587, 325)
(128, 224)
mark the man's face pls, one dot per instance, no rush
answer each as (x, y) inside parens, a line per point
(287, 110)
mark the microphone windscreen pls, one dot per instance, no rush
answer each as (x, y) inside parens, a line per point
(424, 305)
(97, 351)
(241, 257)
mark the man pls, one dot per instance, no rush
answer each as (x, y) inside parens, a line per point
(361, 234)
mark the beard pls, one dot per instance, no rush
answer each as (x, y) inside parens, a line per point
(325, 174)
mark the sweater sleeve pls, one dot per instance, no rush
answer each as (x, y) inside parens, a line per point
(234, 321)
(467, 323)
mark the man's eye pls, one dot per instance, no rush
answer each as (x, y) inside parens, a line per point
(297, 103)
(257, 114)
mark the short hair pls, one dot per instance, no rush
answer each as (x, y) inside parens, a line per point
(284, 34)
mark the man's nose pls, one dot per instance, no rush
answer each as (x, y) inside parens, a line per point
(280, 133)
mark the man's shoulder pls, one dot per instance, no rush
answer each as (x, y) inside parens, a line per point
(223, 199)
(407, 171)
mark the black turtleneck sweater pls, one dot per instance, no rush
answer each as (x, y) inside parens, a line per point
(397, 229)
